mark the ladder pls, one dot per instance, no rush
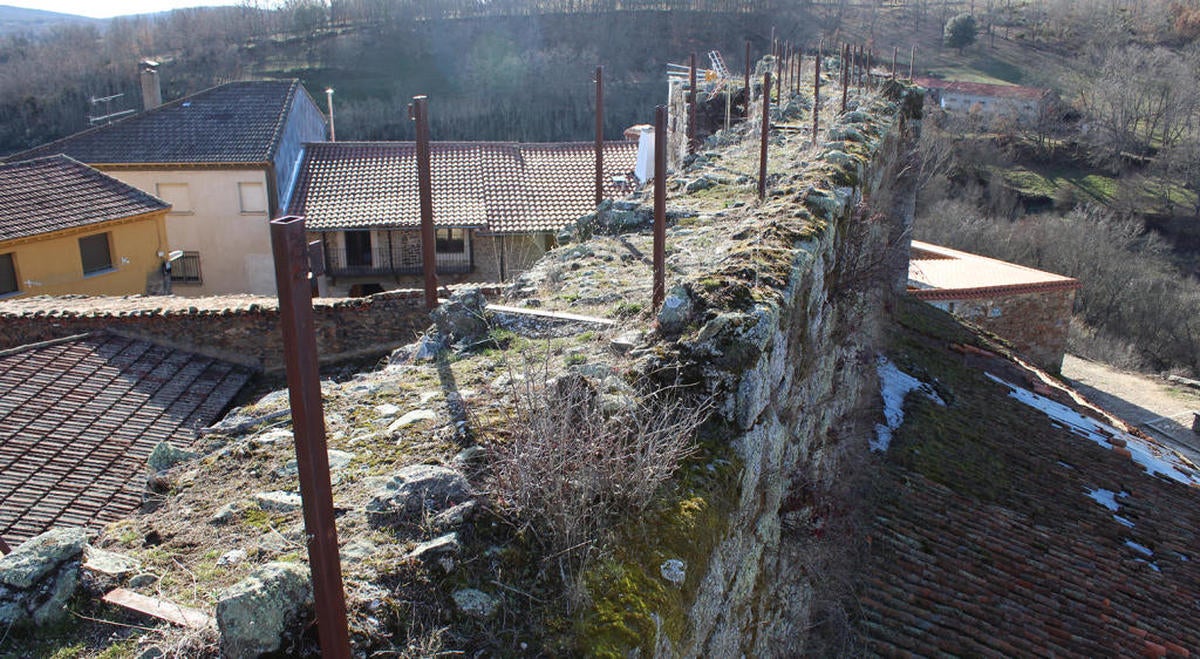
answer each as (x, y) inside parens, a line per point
(718, 64)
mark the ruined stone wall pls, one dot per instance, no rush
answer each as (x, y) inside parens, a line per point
(795, 375)
(240, 329)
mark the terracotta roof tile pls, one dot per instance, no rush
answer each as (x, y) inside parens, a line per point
(501, 187)
(983, 89)
(994, 548)
(237, 122)
(79, 418)
(55, 193)
(942, 273)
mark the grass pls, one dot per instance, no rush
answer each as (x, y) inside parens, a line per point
(1047, 180)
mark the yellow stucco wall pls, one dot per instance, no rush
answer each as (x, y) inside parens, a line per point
(234, 242)
(50, 264)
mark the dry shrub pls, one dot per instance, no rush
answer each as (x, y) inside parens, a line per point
(576, 460)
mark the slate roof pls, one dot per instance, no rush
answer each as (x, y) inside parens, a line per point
(237, 122)
(79, 417)
(1019, 536)
(502, 187)
(941, 273)
(983, 89)
(55, 193)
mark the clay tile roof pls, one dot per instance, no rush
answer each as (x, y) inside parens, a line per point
(1008, 523)
(79, 417)
(237, 122)
(983, 89)
(502, 187)
(941, 273)
(55, 193)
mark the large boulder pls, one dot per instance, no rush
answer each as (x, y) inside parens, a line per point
(462, 319)
(417, 492)
(258, 612)
(39, 577)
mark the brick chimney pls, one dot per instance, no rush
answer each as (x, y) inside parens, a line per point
(151, 90)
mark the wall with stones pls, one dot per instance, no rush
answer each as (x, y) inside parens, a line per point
(790, 358)
(240, 329)
(1036, 324)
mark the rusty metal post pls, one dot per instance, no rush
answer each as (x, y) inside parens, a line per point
(799, 69)
(817, 95)
(746, 83)
(895, 51)
(691, 108)
(912, 60)
(766, 128)
(845, 74)
(660, 207)
(419, 112)
(308, 424)
(599, 134)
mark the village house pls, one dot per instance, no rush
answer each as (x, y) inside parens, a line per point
(497, 206)
(1025, 104)
(68, 228)
(224, 159)
(1029, 308)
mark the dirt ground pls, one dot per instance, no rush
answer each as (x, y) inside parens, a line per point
(1160, 408)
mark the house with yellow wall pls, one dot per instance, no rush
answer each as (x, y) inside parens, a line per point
(68, 228)
(225, 160)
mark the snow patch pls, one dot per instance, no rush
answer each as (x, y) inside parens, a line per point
(1106, 498)
(895, 386)
(1141, 549)
(1122, 521)
(1153, 458)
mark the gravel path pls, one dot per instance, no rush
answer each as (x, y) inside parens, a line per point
(1162, 409)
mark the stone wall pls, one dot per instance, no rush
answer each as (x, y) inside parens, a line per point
(240, 329)
(1036, 324)
(794, 374)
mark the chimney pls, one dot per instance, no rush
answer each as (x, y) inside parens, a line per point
(151, 91)
(644, 168)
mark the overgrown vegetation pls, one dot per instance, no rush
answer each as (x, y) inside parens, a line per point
(574, 459)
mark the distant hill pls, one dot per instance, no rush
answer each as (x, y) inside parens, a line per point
(20, 19)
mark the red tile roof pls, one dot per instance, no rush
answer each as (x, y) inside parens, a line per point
(501, 187)
(990, 536)
(51, 194)
(941, 273)
(79, 417)
(983, 89)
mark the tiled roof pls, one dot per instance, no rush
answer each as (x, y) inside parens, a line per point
(55, 193)
(237, 122)
(941, 273)
(999, 532)
(79, 417)
(983, 89)
(502, 187)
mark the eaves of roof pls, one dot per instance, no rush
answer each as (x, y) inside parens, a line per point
(983, 292)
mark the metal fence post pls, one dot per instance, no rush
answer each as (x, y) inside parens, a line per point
(308, 423)
(660, 206)
(599, 134)
(766, 128)
(419, 112)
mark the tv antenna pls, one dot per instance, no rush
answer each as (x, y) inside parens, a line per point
(109, 115)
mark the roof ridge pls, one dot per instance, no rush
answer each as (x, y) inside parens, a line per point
(281, 119)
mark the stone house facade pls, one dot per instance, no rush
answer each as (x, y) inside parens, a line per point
(1029, 308)
(497, 207)
(1026, 104)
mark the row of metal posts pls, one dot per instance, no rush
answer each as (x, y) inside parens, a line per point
(293, 273)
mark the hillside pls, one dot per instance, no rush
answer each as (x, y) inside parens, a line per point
(14, 20)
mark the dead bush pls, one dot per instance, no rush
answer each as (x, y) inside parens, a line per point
(574, 459)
